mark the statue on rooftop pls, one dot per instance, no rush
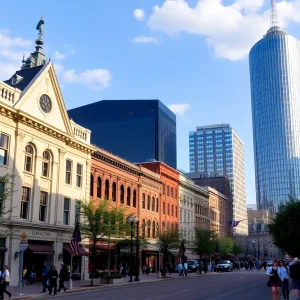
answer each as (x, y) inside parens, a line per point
(39, 27)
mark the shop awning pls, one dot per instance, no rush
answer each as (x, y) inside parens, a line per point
(41, 248)
(82, 252)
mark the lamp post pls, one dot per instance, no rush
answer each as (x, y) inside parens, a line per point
(137, 251)
(132, 219)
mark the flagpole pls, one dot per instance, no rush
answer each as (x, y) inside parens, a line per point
(71, 271)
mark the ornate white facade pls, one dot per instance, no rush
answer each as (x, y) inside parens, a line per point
(49, 157)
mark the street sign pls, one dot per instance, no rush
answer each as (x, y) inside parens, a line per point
(23, 236)
(23, 245)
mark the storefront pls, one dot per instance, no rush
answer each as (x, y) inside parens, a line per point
(3, 250)
(150, 255)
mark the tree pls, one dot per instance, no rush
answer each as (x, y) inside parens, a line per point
(205, 242)
(166, 240)
(5, 193)
(285, 227)
(225, 245)
(237, 249)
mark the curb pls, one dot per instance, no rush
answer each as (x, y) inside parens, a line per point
(99, 287)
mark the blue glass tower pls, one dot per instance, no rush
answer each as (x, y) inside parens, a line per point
(275, 95)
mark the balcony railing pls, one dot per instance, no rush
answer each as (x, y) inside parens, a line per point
(8, 94)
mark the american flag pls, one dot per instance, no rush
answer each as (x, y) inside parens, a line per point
(76, 239)
(233, 223)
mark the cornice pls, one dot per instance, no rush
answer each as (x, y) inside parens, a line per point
(193, 189)
(18, 116)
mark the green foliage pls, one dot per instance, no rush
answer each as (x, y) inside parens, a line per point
(205, 242)
(102, 222)
(225, 245)
(237, 248)
(285, 228)
(5, 193)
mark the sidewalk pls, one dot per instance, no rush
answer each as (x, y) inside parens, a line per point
(33, 291)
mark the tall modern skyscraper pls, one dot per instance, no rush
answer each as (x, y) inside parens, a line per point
(217, 150)
(137, 130)
(275, 95)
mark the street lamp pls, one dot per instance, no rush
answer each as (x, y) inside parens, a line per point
(137, 251)
(132, 220)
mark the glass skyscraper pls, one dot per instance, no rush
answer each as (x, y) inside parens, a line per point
(275, 94)
(217, 150)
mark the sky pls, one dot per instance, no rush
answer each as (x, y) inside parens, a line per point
(190, 54)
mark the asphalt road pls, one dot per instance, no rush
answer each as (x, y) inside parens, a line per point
(245, 285)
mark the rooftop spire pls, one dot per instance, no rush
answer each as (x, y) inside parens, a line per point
(273, 20)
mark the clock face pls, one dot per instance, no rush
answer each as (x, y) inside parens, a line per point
(45, 103)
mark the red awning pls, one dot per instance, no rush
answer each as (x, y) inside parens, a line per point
(41, 248)
(82, 252)
(104, 246)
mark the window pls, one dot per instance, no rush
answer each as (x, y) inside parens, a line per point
(79, 176)
(144, 228)
(77, 211)
(134, 199)
(175, 196)
(92, 185)
(25, 203)
(106, 192)
(2, 204)
(69, 171)
(148, 228)
(164, 208)
(114, 192)
(43, 206)
(28, 158)
(144, 201)
(172, 210)
(168, 191)
(99, 187)
(180, 215)
(66, 211)
(122, 194)
(4, 141)
(149, 202)
(153, 204)
(168, 209)
(172, 192)
(164, 189)
(176, 212)
(157, 205)
(46, 164)
(128, 196)
(153, 229)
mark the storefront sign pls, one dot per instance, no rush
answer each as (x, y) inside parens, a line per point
(41, 233)
(23, 245)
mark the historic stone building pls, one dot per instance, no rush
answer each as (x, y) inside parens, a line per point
(49, 159)
(220, 212)
(194, 208)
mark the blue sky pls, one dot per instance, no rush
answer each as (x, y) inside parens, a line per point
(189, 54)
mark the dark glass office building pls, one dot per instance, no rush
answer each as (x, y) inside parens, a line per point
(136, 130)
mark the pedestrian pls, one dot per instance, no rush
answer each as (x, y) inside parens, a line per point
(274, 280)
(45, 277)
(53, 275)
(63, 274)
(283, 273)
(5, 282)
(257, 265)
(147, 269)
(179, 269)
(185, 267)
(264, 264)
(124, 270)
(295, 276)
(144, 269)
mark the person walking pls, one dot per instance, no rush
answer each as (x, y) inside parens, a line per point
(295, 276)
(185, 267)
(63, 274)
(274, 280)
(53, 275)
(45, 277)
(257, 265)
(179, 269)
(5, 282)
(283, 273)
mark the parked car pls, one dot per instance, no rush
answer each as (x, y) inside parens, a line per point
(224, 265)
(192, 265)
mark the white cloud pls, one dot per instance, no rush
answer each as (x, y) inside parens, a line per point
(139, 14)
(179, 109)
(59, 56)
(97, 79)
(231, 30)
(145, 40)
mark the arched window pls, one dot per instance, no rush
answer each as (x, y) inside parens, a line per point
(144, 228)
(153, 229)
(122, 194)
(149, 202)
(153, 204)
(157, 204)
(99, 187)
(92, 185)
(106, 192)
(134, 198)
(128, 196)
(148, 228)
(114, 192)
(28, 158)
(144, 201)
(46, 164)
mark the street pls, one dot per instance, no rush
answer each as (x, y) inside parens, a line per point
(246, 285)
